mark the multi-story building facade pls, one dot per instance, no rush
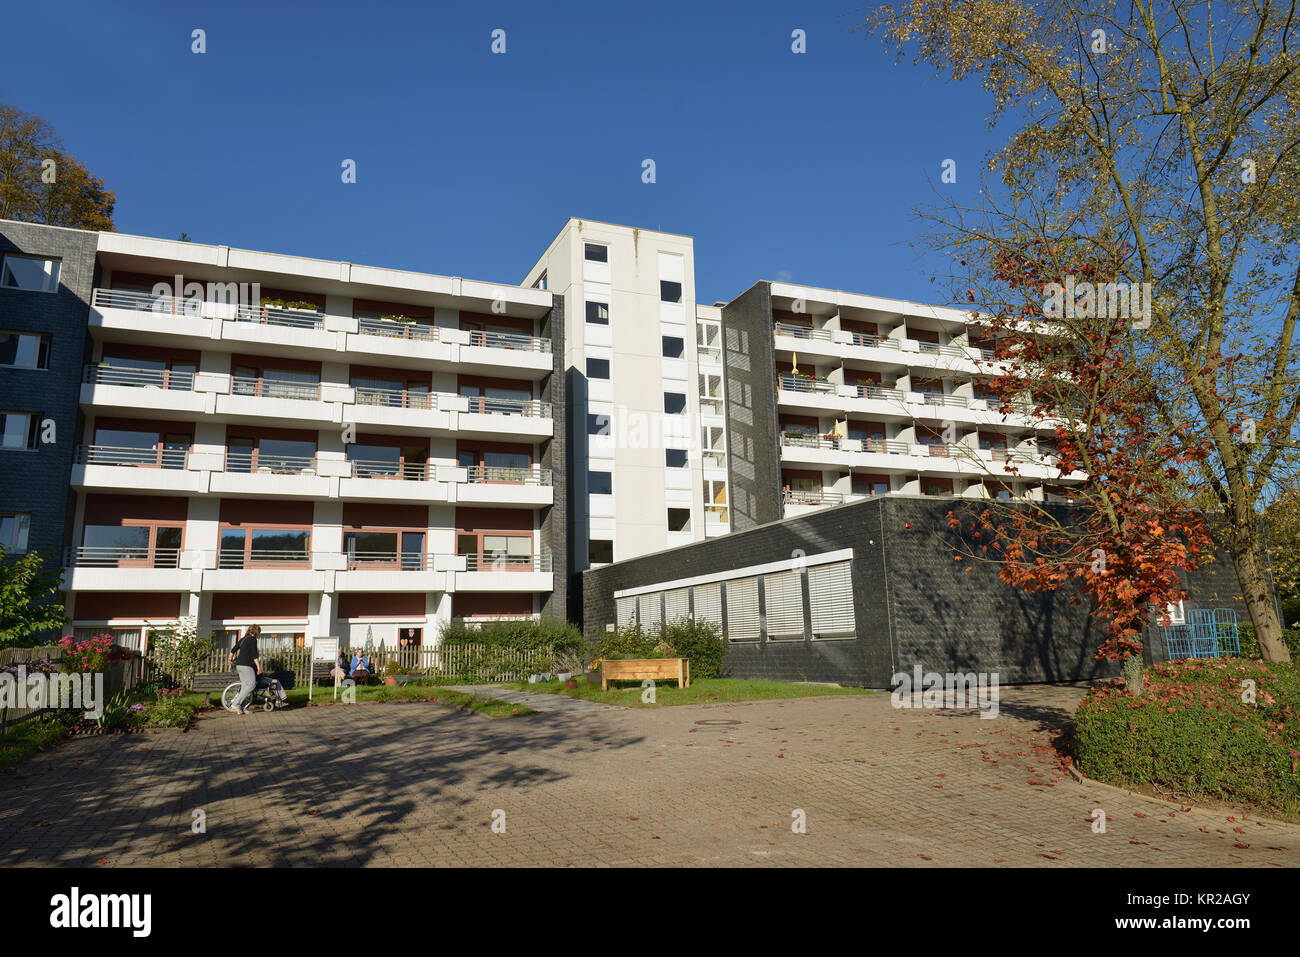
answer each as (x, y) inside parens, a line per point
(836, 396)
(333, 449)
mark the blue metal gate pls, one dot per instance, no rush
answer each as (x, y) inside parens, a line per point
(1207, 633)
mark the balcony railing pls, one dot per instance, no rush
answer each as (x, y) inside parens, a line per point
(396, 398)
(265, 464)
(872, 444)
(262, 558)
(508, 340)
(507, 563)
(939, 398)
(145, 302)
(934, 349)
(414, 331)
(529, 408)
(375, 469)
(709, 354)
(121, 556)
(877, 392)
(794, 383)
(944, 450)
(488, 474)
(275, 388)
(874, 342)
(139, 378)
(389, 561)
(802, 332)
(718, 513)
(811, 497)
(279, 316)
(713, 460)
(134, 457)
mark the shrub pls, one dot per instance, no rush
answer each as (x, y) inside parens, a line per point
(630, 642)
(169, 711)
(89, 654)
(1190, 732)
(522, 635)
(1250, 644)
(700, 642)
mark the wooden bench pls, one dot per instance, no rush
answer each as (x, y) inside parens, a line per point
(639, 669)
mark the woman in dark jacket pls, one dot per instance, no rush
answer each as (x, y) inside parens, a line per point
(247, 662)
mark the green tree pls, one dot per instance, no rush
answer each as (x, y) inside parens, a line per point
(40, 182)
(29, 599)
(1163, 139)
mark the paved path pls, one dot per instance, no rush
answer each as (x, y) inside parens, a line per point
(537, 700)
(688, 785)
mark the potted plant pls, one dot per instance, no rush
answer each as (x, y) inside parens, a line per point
(391, 672)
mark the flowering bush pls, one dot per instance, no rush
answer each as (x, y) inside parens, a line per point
(89, 654)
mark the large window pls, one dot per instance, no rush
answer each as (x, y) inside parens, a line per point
(150, 449)
(14, 527)
(136, 544)
(495, 551)
(384, 547)
(742, 610)
(19, 430)
(677, 605)
(24, 350)
(708, 603)
(264, 547)
(595, 252)
(598, 313)
(33, 273)
(278, 456)
(783, 599)
(830, 595)
(275, 383)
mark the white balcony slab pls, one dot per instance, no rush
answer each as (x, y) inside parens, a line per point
(139, 479)
(393, 490)
(285, 410)
(389, 580)
(504, 581)
(270, 485)
(264, 579)
(148, 399)
(127, 579)
(502, 493)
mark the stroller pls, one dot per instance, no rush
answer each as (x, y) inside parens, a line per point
(268, 690)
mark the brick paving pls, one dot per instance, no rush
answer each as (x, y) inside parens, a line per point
(537, 700)
(417, 784)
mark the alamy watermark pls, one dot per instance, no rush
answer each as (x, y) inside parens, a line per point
(73, 692)
(933, 690)
(1103, 300)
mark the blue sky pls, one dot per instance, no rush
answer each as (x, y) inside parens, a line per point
(805, 167)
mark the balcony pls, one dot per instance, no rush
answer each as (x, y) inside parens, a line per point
(498, 572)
(160, 393)
(801, 385)
(124, 568)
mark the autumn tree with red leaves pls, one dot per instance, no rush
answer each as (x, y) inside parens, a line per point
(1132, 528)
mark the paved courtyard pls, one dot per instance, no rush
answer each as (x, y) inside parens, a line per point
(418, 784)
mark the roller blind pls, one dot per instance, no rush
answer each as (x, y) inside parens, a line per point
(650, 609)
(742, 610)
(830, 593)
(708, 603)
(783, 594)
(626, 612)
(677, 604)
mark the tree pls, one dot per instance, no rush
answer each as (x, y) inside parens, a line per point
(1283, 516)
(41, 182)
(1164, 139)
(1131, 529)
(29, 599)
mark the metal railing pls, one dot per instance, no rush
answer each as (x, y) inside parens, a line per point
(508, 340)
(531, 475)
(139, 378)
(262, 558)
(121, 556)
(870, 444)
(934, 349)
(802, 332)
(877, 392)
(396, 398)
(529, 408)
(507, 563)
(136, 457)
(275, 388)
(717, 512)
(254, 461)
(390, 329)
(874, 341)
(145, 302)
(793, 383)
(279, 316)
(943, 450)
(810, 497)
(802, 440)
(375, 469)
(389, 561)
(939, 398)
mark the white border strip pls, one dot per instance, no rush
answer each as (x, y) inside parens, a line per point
(807, 560)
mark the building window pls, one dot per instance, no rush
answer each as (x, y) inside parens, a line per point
(13, 531)
(597, 368)
(264, 547)
(19, 430)
(597, 424)
(674, 403)
(24, 350)
(679, 520)
(595, 252)
(598, 313)
(674, 347)
(33, 273)
(541, 281)
(600, 483)
(675, 458)
(600, 551)
(670, 291)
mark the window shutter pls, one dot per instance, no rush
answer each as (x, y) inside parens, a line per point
(708, 603)
(626, 612)
(649, 609)
(784, 605)
(677, 604)
(742, 610)
(830, 593)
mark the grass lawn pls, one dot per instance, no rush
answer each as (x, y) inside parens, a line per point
(424, 690)
(701, 691)
(1223, 729)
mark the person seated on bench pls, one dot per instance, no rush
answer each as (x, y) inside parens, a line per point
(360, 669)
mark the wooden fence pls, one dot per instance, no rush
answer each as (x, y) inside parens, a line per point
(118, 677)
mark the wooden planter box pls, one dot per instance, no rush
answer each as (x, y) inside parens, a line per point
(638, 669)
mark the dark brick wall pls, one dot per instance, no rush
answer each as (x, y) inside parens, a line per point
(37, 481)
(749, 364)
(555, 456)
(914, 604)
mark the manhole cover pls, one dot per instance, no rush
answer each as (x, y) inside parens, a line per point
(719, 721)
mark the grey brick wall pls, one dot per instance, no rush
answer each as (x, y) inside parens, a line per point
(37, 481)
(749, 366)
(914, 604)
